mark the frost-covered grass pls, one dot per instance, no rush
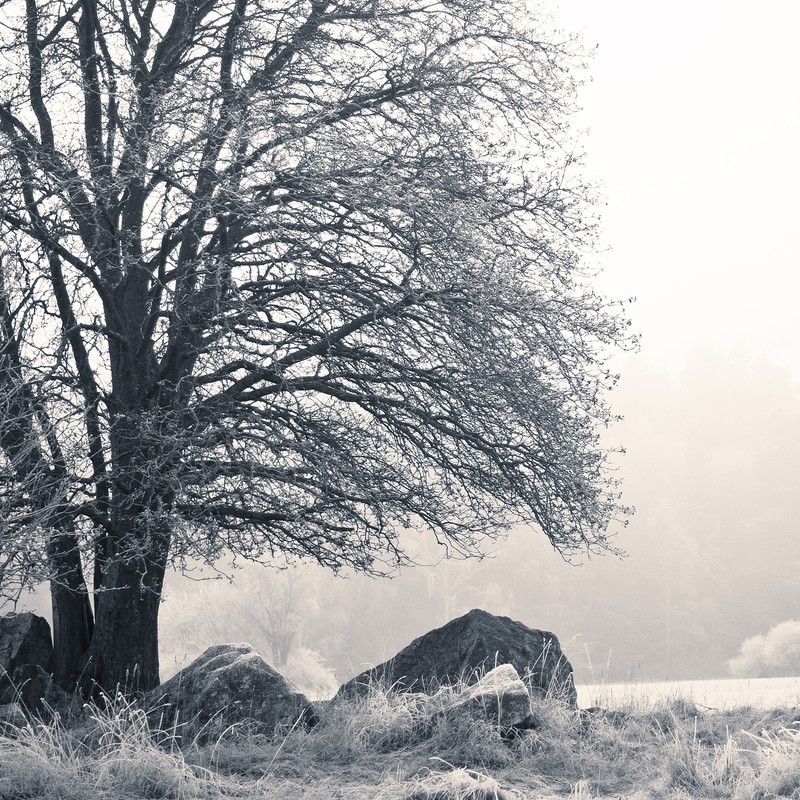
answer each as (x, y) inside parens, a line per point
(390, 746)
(108, 752)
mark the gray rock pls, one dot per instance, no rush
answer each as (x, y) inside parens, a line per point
(467, 645)
(30, 684)
(499, 696)
(228, 684)
(34, 690)
(24, 639)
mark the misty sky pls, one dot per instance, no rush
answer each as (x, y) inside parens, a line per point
(694, 118)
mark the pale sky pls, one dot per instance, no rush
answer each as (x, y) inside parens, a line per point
(694, 118)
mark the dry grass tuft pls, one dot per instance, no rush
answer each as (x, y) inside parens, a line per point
(459, 784)
(111, 754)
(773, 765)
(380, 721)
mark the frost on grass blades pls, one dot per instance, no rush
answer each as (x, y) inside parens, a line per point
(382, 746)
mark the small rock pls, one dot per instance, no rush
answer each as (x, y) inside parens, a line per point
(34, 690)
(30, 683)
(500, 696)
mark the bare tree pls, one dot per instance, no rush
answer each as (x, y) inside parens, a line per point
(282, 614)
(281, 278)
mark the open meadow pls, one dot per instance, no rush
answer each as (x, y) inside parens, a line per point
(381, 747)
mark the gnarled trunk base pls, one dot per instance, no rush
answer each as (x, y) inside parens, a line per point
(123, 653)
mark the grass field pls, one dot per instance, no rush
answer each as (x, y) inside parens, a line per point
(385, 747)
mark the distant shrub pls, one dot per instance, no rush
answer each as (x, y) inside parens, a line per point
(773, 654)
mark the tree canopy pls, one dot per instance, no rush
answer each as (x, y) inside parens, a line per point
(282, 279)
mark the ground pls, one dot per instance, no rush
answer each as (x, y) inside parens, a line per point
(381, 748)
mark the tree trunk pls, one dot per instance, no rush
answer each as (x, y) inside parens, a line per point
(123, 654)
(73, 622)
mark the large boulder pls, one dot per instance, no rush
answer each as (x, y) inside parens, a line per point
(24, 639)
(228, 684)
(467, 646)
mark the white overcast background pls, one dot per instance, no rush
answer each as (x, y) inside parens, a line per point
(694, 128)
